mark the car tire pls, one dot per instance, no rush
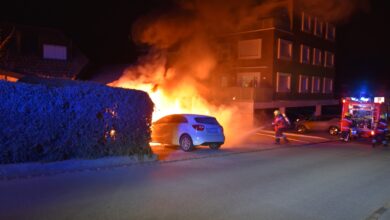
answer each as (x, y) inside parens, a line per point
(301, 129)
(215, 146)
(333, 130)
(186, 143)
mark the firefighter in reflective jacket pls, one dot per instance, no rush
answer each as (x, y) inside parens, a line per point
(346, 125)
(381, 131)
(280, 124)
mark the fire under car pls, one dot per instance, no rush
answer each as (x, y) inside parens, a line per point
(188, 131)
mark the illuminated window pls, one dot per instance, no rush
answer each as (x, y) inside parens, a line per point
(316, 84)
(329, 59)
(8, 78)
(54, 52)
(305, 54)
(283, 82)
(249, 49)
(303, 84)
(284, 49)
(328, 86)
(248, 79)
(330, 33)
(318, 27)
(306, 23)
(317, 56)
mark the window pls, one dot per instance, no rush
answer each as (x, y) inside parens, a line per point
(306, 23)
(207, 120)
(172, 119)
(283, 82)
(305, 54)
(285, 49)
(317, 56)
(178, 119)
(8, 78)
(328, 86)
(329, 59)
(330, 33)
(248, 79)
(249, 49)
(318, 25)
(316, 84)
(303, 84)
(55, 52)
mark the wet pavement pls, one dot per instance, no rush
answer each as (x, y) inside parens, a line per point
(257, 141)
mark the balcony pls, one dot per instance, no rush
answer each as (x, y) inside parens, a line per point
(270, 22)
(251, 94)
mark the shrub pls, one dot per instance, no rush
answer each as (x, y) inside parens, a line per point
(58, 120)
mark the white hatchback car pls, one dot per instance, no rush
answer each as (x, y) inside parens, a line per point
(188, 130)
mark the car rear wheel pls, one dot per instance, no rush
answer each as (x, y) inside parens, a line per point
(333, 130)
(186, 143)
(301, 129)
(215, 146)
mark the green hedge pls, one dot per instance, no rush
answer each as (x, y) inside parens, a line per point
(57, 120)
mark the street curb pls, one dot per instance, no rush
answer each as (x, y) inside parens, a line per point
(17, 171)
(152, 161)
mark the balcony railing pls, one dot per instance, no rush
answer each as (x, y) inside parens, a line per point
(271, 22)
(253, 94)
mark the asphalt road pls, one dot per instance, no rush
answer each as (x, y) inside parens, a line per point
(328, 180)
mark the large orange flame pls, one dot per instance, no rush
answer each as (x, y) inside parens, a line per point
(175, 92)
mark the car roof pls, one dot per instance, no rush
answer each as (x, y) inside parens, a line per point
(193, 115)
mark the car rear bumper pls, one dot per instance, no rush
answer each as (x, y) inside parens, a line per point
(201, 140)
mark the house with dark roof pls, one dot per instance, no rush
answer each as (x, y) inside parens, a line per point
(39, 52)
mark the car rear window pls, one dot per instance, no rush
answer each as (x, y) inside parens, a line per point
(207, 120)
(172, 119)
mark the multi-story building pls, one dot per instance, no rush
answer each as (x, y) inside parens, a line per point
(36, 51)
(284, 60)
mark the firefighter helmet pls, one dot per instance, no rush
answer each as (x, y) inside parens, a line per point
(276, 112)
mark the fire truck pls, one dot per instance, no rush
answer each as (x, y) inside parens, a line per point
(365, 114)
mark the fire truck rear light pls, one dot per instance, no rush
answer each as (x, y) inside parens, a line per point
(198, 127)
(372, 133)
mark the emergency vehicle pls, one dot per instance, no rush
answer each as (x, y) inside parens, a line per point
(365, 114)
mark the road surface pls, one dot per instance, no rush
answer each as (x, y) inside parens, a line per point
(314, 180)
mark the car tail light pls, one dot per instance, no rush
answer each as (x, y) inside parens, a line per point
(198, 127)
(372, 133)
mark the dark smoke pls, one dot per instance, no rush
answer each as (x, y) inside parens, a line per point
(337, 11)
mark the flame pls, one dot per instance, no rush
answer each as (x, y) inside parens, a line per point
(183, 98)
(175, 95)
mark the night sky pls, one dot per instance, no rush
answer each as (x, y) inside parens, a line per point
(102, 29)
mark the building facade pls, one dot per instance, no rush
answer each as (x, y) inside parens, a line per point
(284, 60)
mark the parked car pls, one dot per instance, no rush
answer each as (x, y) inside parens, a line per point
(188, 131)
(331, 124)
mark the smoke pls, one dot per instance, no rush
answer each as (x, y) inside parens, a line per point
(336, 11)
(187, 32)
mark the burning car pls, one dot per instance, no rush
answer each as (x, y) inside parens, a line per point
(188, 131)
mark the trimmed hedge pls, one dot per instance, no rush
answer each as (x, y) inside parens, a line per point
(58, 120)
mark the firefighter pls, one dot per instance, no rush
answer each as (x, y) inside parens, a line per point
(381, 131)
(280, 124)
(346, 125)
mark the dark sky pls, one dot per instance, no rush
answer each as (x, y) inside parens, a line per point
(102, 30)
